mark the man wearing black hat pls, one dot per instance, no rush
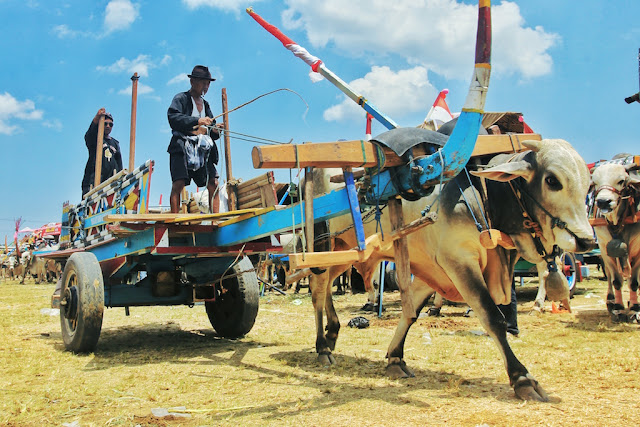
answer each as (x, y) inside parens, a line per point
(111, 156)
(188, 114)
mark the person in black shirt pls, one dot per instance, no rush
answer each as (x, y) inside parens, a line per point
(188, 114)
(111, 156)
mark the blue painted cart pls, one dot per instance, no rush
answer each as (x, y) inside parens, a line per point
(117, 254)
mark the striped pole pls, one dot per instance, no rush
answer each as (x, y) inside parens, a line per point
(318, 66)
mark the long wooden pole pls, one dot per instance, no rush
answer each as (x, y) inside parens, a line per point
(308, 208)
(100, 139)
(227, 151)
(134, 109)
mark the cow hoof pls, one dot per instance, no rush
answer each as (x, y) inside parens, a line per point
(537, 309)
(618, 314)
(397, 370)
(433, 311)
(527, 388)
(368, 307)
(326, 359)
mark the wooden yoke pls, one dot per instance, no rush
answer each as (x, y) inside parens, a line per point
(99, 141)
(360, 153)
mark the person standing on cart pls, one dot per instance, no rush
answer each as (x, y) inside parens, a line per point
(111, 156)
(190, 115)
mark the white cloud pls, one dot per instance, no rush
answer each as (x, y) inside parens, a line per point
(227, 5)
(436, 34)
(394, 93)
(11, 108)
(142, 90)
(142, 64)
(64, 32)
(119, 15)
(179, 79)
(53, 124)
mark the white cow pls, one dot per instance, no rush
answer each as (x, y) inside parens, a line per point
(551, 181)
(617, 193)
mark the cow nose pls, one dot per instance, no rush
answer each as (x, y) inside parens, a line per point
(603, 204)
(585, 244)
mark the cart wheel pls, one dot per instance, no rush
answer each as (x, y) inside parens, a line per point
(81, 302)
(390, 277)
(570, 267)
(235, 308)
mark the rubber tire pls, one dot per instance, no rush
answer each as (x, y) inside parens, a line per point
(390, 278)
(82, 271)
(572, 279)
(234, 312)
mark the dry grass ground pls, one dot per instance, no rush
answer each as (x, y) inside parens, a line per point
(167, 357)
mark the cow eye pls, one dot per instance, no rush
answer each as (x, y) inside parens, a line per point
(621, 182)
(553, 183)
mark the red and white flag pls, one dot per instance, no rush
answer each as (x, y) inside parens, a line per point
(439, 112)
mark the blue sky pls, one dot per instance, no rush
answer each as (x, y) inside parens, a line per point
(567, 66)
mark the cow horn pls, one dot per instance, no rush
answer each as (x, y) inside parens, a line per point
(532, 145)
(631, 167)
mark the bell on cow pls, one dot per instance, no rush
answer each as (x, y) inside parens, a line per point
(616, 248)
(556, 286)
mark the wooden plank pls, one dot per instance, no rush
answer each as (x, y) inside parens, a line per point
(245, 189)
(363, 153)
(247, 197)
(328, 259)
(173, 218)
(260, 179)
(106, 182)
(496, 144)
(322, 155)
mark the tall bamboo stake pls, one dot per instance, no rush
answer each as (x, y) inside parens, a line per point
(227, 150)
(98, 171)
(134, 109)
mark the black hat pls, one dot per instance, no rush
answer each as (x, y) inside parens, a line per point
(200, 72)
(108, 115)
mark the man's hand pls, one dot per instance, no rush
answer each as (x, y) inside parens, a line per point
(101, 112)
(205, 121)
(199, 130)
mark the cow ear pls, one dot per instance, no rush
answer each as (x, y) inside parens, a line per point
(634, 178)
(507, 171)
(532, 145)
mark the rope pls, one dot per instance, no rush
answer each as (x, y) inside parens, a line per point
(475, 195)
(260, 96)
(428, 207)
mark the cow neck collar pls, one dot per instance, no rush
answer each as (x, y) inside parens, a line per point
(628, 207)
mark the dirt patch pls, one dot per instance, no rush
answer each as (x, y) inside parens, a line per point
(169, 357)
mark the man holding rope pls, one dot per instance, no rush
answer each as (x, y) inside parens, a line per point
(190, 115)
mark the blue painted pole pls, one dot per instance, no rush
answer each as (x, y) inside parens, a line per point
(355, 208)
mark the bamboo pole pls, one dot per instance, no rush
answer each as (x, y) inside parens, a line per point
(134, 109)
(308, 208)
(227, 151)
(99, 141)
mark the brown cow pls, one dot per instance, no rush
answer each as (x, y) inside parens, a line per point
(617, 193)
(551, 181)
